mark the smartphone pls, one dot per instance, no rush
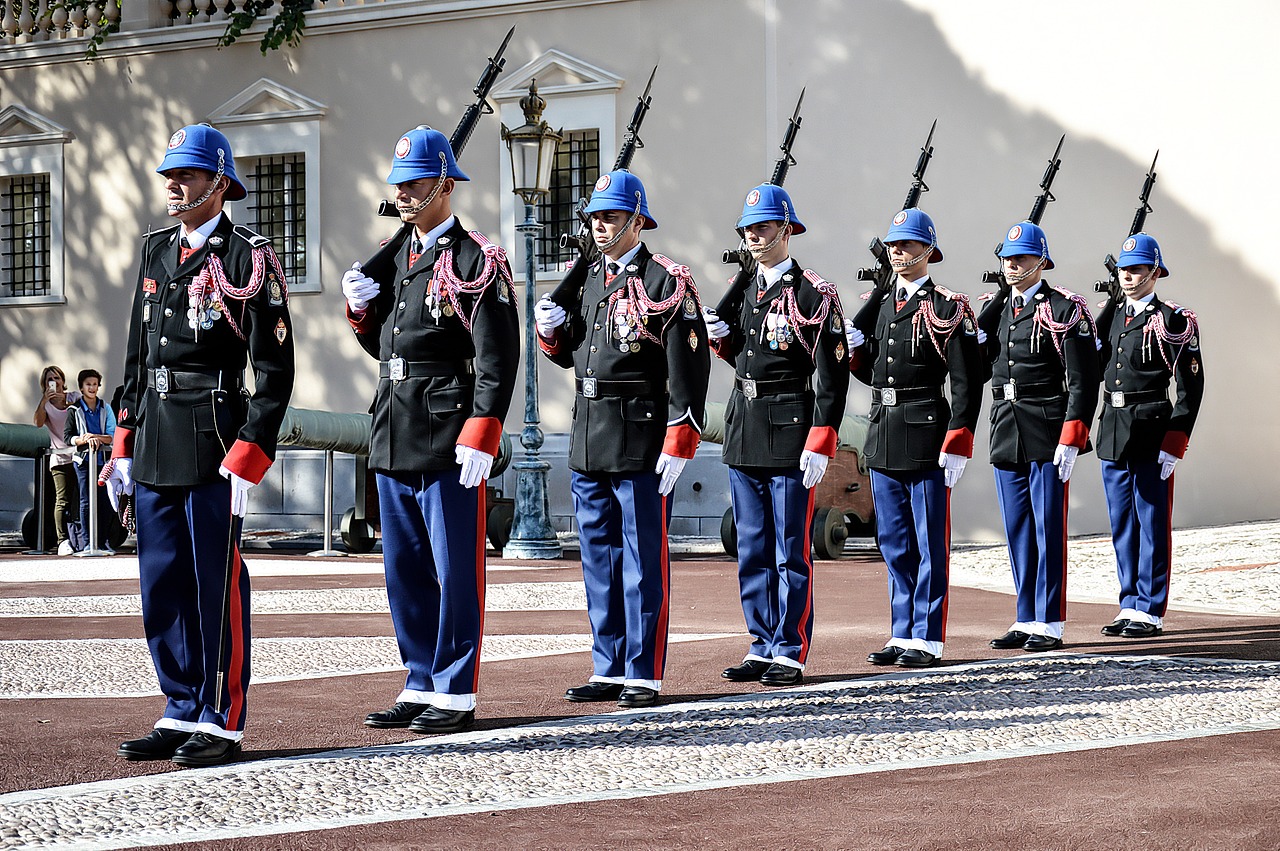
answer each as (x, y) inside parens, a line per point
(53, 384)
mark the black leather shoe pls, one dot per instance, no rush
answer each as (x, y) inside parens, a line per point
(1040, 643)
(203, 749)
(158, 744)
(782, 675)
(887, 656)
(633, 697)
(437, 720)
(1115, 627)
(749, 671)
(916, 659)
(594, 691)
(1011, 639)
(397, 716)
(1138, 629)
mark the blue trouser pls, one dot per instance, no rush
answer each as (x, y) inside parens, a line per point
(1141, 509)
(773, 512)
(1033, 505)
(433, 550)
(622, 531)
(913, 529)
(183, 536)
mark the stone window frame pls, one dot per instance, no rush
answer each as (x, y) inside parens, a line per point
(37, 148)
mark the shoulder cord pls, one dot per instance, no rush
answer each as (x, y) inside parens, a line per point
(640, 305)
(1157, 329)
(446, 285)
(1043, 321)
(926, 320)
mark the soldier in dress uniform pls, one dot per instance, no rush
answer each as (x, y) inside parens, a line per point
(782, 328)
(191, 442)
(630, 326)
(435, 307)
(1146, 344)
(1042, 347)
(905, 343)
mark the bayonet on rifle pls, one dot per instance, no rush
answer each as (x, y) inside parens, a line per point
(1111, 286)
(1037, 211)
(918, 186)
(882, 273)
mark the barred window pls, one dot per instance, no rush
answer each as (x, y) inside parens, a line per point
(25, 238)
(576, 168)
(277, 207)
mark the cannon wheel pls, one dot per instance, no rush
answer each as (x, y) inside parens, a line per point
(729, 533)
(829, 533)
(357, 534)
(498, 524)
(30, 528)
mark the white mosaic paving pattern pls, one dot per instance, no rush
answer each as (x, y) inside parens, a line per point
(99, 668)
(984, 711)
(505, 597)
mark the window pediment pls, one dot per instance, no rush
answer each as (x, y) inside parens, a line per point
(267, 101)
(21, 126)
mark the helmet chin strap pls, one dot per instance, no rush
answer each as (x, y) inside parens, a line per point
(426, 202)
(622, 230)
(1022, 276)
(191, 205)
(903, 265)
(786, 222)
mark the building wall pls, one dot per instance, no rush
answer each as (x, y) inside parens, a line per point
(877, 73)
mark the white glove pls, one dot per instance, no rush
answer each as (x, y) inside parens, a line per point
(669, 468)
(814, 466)
(717, 328)
(547, 316)
(1064, 458)
(239, 492)
(853, 336)
(117, 475)
(982, 337)
(359, 288)
(475, 465)
(953, 467)
(1167, 463)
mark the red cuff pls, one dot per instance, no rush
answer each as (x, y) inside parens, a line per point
(823, 440)
(1175, 443)
(721, 350)
(483, 433)
(959, 441)
(122, 443)
(362, 322)
(551, 346)
(682, 441)
(247, 460)
(1074, 433)
(855, 359)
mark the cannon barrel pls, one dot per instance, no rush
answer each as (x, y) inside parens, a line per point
(24, 441)
(852, 433)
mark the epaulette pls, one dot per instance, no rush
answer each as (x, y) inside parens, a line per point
(255, 239)
(168, 233)
(952, 295)
(823, 286)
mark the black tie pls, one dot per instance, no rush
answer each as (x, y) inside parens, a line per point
(761, 286)
(1129, 312)
(415, 247)
(612, 269)
(1017, 304)
(902, 297)
(185, 244)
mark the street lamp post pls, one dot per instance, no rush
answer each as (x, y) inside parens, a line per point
(533, 151)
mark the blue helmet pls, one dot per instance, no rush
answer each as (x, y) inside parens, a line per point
(621, 190)
(914, 223)
(419, 154)
(769, 203)
(1142, 250)
(1026, 238)
(201, 146)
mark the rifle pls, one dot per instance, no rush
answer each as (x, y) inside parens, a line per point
(1111, 286)
(740, 254)
(1037, 211)
(882, 273)
(630, 142)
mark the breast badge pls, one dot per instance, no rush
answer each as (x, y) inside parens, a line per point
(282, 331)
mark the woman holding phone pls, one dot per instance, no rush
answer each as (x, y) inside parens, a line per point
(51, 414)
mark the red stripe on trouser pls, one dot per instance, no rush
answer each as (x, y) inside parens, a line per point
(235, 630)
(664, 614)
(1168, 528)
(946, 593)
(1066, 506)
(481, 579)
(803, 626)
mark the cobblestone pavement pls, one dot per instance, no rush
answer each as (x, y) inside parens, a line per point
(984, 711)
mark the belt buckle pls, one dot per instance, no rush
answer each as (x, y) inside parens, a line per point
(162, 379)
(395, 368)
(889, 397)
(749, 388)
(589, 388)
(1010, 391)
(1117, 399)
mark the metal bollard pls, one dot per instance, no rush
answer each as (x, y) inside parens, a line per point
(327, 551)
(92, 551)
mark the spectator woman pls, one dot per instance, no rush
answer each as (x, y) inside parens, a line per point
(51, 414)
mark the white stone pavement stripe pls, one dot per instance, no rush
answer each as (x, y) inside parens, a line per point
(504, 597)
(121, 667)
(979, 712)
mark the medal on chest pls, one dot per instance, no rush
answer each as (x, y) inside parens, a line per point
(779, 332)
(626, 325)
(204, 308)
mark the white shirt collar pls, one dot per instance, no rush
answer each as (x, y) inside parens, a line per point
(1140, 305)
(1027, 295)
(772, 276)
(912, 287)
(436, 232)
(198, 237)
(626, 258)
